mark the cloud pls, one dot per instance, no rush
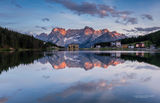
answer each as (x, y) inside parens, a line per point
(149, 29)
(127, 20)
(14, 2)
(144, 96)
(28, 33)
(46, 76)
(41, 27)
(84, 8)
(82, 89)
(4, 15)
(140, 29)
(132, 30)
(7, 23)
(99, 10)
(147, 16)
(45, 19)
(146, 79)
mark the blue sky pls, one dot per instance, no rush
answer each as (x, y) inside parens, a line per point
(37, 16)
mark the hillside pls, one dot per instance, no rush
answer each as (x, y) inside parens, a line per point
(15, 40)
(154, 38)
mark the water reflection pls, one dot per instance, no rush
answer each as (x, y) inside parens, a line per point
(85, 60)
(13, 59)
(116, 91)
(81, 77)
(61, 60)
(90, 60)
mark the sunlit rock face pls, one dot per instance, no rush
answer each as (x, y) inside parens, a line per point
(56, 36)
(85, 37)
(60, 66)
(105, 31)
(88, 30)
(60, 30)
(98, 32)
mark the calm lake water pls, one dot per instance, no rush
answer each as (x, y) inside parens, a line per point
(79, 77)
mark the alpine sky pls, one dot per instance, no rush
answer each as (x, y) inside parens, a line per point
(36, 16)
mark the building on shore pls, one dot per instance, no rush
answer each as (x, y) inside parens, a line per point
(124, 46)
(117, 55)
(73, 47)
(131, 46)
(116, 44)
(152, 47)
(98, 46)
(140, 54)
(140, 45)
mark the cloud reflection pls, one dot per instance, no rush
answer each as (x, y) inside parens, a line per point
(3, 99)
(84, 91)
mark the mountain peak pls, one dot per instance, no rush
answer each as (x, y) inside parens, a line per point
(88, 30)
(60, 30)
(87, 27)
(43, 34)
(101, 31)
(98, 32)
(115, 33)
(105, 30)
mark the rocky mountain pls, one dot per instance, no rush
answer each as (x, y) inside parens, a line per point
(85, 37)
(42, 36)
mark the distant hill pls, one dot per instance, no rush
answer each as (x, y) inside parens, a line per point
(154, 38)
(15, 40)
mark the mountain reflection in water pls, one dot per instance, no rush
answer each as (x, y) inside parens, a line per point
(90, 60)
(61, 60)
(85, 60)
(79, 77)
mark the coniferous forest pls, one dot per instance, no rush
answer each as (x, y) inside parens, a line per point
(15, 40)
(154, 38)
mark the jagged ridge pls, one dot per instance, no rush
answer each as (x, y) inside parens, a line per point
(85, 37)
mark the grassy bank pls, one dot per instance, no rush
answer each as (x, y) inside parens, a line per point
(80, 49)
(118, 49)
(22, 49)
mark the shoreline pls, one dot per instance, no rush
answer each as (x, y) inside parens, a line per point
(117, 49)
(82, 49)
(19, 50)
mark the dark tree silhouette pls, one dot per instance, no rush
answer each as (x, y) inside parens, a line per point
(15, 40)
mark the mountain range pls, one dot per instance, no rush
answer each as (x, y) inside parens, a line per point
(85, 37)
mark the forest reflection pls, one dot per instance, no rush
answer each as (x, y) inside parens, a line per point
(85, 60)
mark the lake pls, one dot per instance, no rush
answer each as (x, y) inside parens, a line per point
(79, 77)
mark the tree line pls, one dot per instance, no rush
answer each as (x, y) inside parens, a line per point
(15, 40)
(154, 38)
